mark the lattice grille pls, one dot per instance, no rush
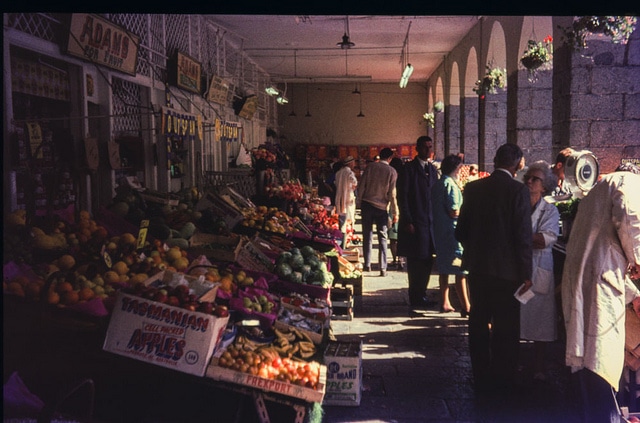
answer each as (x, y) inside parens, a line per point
(126, 107)
(138, 25)
(46, 26)
(177, 35)
(196, 34)
(209, 50)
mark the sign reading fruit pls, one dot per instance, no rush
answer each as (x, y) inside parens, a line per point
(161, 334)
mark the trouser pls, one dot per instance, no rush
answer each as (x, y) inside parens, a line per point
(494, 331)
(418, 272)
(371, 215)
(595, 398)
(342, 219)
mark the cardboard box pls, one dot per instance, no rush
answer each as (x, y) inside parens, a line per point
(163, 335)
(216, 372)
(344, 373)
(252, 258)
(216, 247)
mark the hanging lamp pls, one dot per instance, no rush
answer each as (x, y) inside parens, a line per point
(346, 42)
(308, 114)
(360, 114)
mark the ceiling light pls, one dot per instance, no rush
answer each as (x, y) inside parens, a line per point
(355, 90)
(282, 99)
(346, 42)
(404, 59)
(272, 91)
(408, 70)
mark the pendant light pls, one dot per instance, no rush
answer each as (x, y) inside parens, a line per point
(308, 114)
(355, 90)
(293, 103)
(346, 43)
(360, 115)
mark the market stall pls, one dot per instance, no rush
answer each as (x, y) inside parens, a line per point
(195, 288)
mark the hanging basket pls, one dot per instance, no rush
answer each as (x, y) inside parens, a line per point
(532, 62)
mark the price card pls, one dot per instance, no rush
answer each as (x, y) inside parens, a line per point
(142, 234)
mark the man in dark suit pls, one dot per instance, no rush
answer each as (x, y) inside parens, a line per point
(494, 228)
(415, 226)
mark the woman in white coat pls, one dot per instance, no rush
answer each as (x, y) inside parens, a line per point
(604, 245)
(538, 317)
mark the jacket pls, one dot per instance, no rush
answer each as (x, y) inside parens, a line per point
(604, 239)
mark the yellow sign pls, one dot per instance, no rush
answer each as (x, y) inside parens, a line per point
(142, 234)
(99, 41)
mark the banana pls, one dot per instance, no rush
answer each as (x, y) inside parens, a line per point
(304, 354)
(306, 346)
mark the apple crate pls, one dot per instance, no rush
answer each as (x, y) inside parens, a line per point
(344, 373)
(216, 247)
(216, 372)
(252, 258)
(204, 290)
(163, 335)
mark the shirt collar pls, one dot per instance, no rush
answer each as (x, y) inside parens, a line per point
(505, 171)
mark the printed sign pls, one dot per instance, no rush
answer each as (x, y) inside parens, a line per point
(164, 335)
(188, 73)
(99, 41)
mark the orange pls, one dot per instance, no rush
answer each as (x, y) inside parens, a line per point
(15, 288)
(64, 286)
(120, 268)
(84, 215)
(70, 297)
(32, 290)
(53, 297)
(226, 283)
(128, 238)
(22, 280)
(174, 253)
(111, 276)
(181, 263)
(86, 294)
(66, 262)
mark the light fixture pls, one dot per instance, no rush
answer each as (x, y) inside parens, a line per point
(346, 42)
(281, 99)
(272, 91)
(406, 73)
(404, 60)
(356, 90)
(360, 114)
(293, 112)
(308, 114)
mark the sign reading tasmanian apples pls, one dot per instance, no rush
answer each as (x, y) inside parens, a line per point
(99, 41)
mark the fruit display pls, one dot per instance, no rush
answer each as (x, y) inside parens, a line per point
(303, 265)
(294, 319)
(291, 190)
(317, 307)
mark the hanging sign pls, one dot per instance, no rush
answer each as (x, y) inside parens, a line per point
(218, 90)
(99, 41)
(188, 73)
(226, 131)
(181, 124)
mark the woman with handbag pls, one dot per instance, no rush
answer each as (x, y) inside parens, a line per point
(538, 317)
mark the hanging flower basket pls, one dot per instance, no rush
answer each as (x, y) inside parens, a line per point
(538, 53)
(430, 118)
(494, 79)
(537, 56)
(618, 28)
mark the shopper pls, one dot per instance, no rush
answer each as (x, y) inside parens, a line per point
(376, 193)
(346, 183)
(604, 245)
(562, 188)
(446, 197)
(415, 227)
(397, 164)
(538, 317)
(494, 228)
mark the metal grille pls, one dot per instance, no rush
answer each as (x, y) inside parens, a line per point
(46, 26)
(195, 21)
(137, 24)
(177, 37)
(157, 51)
(126, 107)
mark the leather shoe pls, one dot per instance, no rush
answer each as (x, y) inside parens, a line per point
(366, 269)
(383, 273)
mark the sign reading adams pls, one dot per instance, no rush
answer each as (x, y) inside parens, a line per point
(101, 42)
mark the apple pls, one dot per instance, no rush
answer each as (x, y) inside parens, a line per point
(221, 311)
(161, 296)
(206, 307)
(173, 301)
(633, 419)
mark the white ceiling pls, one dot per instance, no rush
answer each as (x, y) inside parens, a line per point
(289, 47)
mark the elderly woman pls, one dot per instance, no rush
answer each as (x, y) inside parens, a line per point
(538, 317)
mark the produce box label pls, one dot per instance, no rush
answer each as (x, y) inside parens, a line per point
(344, 373)
(164, 335)
(269, 385)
